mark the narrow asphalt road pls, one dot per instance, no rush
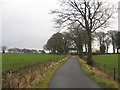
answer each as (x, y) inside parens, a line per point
(70, 75)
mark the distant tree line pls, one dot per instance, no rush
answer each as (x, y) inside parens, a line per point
(77, 39)
(18, 50)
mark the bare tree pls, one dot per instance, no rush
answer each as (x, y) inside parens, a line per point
(78, 35)
(89, 14)
(101, 36)
(3, 48)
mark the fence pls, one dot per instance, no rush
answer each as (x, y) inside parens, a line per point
(112, 72)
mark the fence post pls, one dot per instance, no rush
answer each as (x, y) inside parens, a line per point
(114, 74)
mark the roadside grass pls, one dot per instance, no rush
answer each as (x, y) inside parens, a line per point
(98, 77)
(12, 61)
(47, 77)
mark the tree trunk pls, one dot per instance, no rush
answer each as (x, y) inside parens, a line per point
(107, 49)
(89, 57)
(81, 50)
(77, 51)
(113, 48)
(86, 48)
(3, 51)
(117, 50)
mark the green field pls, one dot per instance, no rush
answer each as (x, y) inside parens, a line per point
(15, 61)
(110, 61)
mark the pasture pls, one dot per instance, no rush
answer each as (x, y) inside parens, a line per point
(109, 64)
(110, 60)
(11, 61)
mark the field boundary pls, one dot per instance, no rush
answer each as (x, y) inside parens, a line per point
(113, 74)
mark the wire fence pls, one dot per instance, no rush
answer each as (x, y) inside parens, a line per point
(112, 72)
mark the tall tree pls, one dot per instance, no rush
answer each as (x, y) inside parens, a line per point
(66, 41)
(76, 37)
(101, 36)
(79, 36)
(89, 14)
(56, 44)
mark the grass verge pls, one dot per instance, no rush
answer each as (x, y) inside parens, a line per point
(48, 75)
(98, 76)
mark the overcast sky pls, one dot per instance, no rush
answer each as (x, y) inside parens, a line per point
(27, 24)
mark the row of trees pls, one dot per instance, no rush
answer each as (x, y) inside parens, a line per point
(105, 39)
(90, 15)
(18, 50)
(77, 39)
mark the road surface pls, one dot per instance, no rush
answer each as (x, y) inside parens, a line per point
(70, 75)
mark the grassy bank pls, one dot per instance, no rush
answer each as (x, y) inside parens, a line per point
(11, 61)
(47, 77)
(98, 77)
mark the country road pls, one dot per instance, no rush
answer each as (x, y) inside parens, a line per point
(70, 75)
